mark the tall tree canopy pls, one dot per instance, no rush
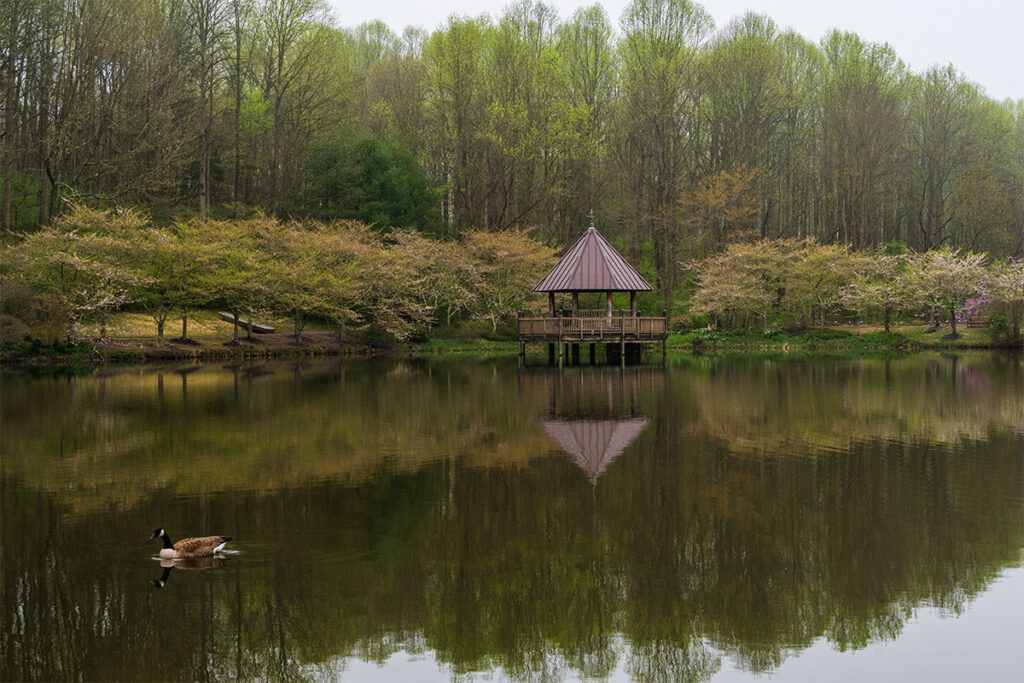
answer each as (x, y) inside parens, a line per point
(195, 107)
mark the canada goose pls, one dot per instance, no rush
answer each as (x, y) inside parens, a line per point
(189, 547)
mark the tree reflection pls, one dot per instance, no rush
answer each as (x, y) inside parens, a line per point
(492, 550)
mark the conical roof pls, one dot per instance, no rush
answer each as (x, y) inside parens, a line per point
(592, 265)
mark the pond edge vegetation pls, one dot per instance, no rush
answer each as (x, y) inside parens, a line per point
(370, 292)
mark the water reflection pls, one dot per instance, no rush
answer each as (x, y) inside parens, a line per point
(398, 507)
(190, 564)
(591, 434)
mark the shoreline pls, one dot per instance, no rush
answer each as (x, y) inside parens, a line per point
(280, 346)
(136, 350)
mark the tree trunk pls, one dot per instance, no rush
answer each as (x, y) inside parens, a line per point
(887, 316)
(952, 320)
(204, 179)
(42, 195)
(184, 324)
(238, 97)
(12, 80)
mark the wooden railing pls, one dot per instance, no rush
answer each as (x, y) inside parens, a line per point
(587, 328)
(593, 313)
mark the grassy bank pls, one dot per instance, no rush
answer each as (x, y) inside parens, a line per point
(131, 338)
(864, 338)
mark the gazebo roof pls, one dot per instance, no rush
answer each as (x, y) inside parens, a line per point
(594, 444)
(592, 265)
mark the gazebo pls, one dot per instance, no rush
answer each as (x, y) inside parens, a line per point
(592, 265)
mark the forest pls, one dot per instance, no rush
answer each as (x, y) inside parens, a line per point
(684, 139)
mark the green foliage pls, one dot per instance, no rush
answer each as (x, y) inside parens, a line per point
(83, 263)
(24, 198)
(378, 182)
(24, 314)
(681, 138)
(883, 338)
(793, 283)
(378, 336)
(506, 266)
(341, 273)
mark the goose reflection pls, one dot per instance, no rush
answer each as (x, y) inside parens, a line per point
(192, 564)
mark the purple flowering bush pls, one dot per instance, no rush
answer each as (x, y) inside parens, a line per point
(973, 307)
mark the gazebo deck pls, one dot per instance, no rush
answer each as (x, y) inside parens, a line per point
(593, 326)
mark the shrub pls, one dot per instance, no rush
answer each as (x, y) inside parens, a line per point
(378, 336)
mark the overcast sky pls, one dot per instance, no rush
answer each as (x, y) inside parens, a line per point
(984, 39)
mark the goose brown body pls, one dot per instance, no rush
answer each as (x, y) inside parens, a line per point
(189, 547)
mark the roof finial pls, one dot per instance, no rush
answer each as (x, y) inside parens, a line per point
(592, 220)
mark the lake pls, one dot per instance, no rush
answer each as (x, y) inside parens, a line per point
(718, 518)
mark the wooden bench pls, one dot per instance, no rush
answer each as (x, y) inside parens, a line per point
(245, 324)
(977, 321)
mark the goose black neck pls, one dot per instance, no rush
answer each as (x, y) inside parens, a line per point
(167, 542)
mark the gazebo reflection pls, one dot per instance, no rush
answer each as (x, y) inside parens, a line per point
(594, 444)
(595, 413)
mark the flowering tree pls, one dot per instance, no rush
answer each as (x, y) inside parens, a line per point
(817, 275)
(506, 265)
(82, 272)
(441, 274)
(746, 277)
(172, 264)
(237, 276)
(1008, 293)
(298, 285)
(722, 207)
(881, 284)
(946, 278)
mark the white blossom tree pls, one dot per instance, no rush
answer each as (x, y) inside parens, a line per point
(506, 266)
(83, 272)
(880, 285)
(945, 278)
(1008, 291)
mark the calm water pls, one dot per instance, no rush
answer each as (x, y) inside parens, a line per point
(717, 519)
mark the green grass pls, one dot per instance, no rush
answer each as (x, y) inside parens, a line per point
(906, 337)
(476, 338)
(200, 324)
(439, 345)
(918, 335)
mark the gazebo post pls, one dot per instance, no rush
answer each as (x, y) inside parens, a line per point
(632, 304)
(561, 351)
(622, 340)
(575, 324)
(664, 339)
(522, 344)
(551, 314)
(608, 304)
